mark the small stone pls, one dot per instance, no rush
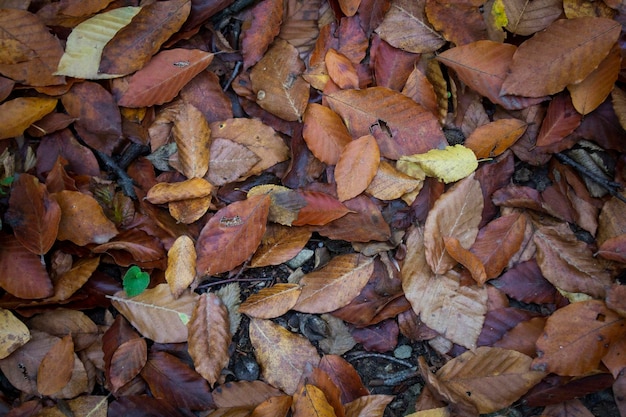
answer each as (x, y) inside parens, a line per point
(299, 260)
(403, 352)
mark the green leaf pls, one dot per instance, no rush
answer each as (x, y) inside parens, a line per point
(135, 281)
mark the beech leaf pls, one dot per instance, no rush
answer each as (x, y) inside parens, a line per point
(324, 133)
(18, 114)
(449, 164)
(181, 265)
(279, 245)
(13, 333)
(271, 302)
(356, 167)
(56, 367)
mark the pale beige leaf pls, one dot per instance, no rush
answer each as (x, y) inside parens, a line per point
(192, 134)
(389, 183)
(271, 302)
(457, 214)
(283, 355)
(229, 162)
(156, 314)
(334, 285)
(230, 294)
(491, 378)
(181, 265)
(209, 337)
(13, 333)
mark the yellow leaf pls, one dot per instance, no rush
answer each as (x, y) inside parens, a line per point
(86, 42)
(499, 14)
(449, 165)
(18, 114)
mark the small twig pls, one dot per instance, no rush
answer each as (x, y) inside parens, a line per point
(132, 152)
(233, 75)
(124, 181)
(391, 379)
(233, 279)
(611, 186)
(364, 355)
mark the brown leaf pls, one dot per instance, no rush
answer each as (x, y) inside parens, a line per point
(271, 302)
(229, 162)
(356, 167)
(300, 24)
(568, 263)
(192, 135)
(344, 376)
(273, 407)
(492, 139)
(285, 202)
(444, 16)
(133, 46)
(22, 273)
(82, 219)
(585, 326)
(561, 120)
(321, 209)
(324, 133)
(341, 71)
(30, 53)
(457, 214)
(470, 261)
(526, 18)
(244, 393)
(283, 355)
(232, 235)
(455, 311)
(55, 370)
(127, 361)
(410, 129)
(18, 114)
(277, 82)
(309, 401)
(171, 379)
(490, 378)
(165, 192)
(62, 322)
(260, 31)
(209, 337)
(565, 53)
(181, 265)
(156, 314)
(279, 245)
(368, 405)
(334, 285)
(164, 76)
(406, 27)
(13, 333)
(389, 183)
(33, 215)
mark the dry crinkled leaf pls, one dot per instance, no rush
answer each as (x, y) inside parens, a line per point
(13, 333)
(165, 192)
(18, 114)
(334, 285)
(85, 44)
(457, 214)
(82, 219)
(209, 337)
(277, 82)
(389, 183)
(491, 378)
(164, 76)
(271, 302)
(310, 401)
(449, 164)
(565, 53)
(324, 133)
(156, 314)
(568, 263)
(492, 139)
(409, 128)
(192, 135)
(181, 265)
(56, 367)
(406, 27)
(455, 311)
(133, 46)
(356, 167)
(230, 161)
(283, 355)
(279, 244)
(30, 53)
(232, 235)
(587, 327)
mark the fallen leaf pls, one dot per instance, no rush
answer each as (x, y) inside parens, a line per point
(356, 167)
(209, 337)
(321, 209)
(127, 361)
(181, 265)
(443, 15)
(283, 355)
(449, 164)
(18, 114)
(310, 401)
(13, 333)
(271, 302)
(466, 258)
(285, 203)
(279, 245)
(525, 18)
(368, 405)
(390, 183)
(341, 70)
(260, 31)
(56, 367)
(324, 133)
(561, 119)
(192, 135)
(192, 188)
(229, 162)
(492, 139)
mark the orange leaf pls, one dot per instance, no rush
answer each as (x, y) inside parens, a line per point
(209, 337)
(82, 219)
(232, 235)
(261, 30)
(56, 367)
(283, 355)
(66, 284)
(33, 215)
(271, 302)
(188, 211)
(133, 46)
(273, 407)
(277, 82)
(356, 167)
(409, 128)
(457, 214)
(349, 7)
(444, 15)
(165, 192)
(192, 134)
(18, 114)
(466, 258)
(181, 265)
(565, 53)
(492, 139)
(561, 119)
(585, 326)
(310, 401)
(334, 285)
(324, 133)
(22, 273)
(280, 244)
(321, 209)
(490, 378)
(164, 76)
(369, 405)
(285, 202)
(341, 70)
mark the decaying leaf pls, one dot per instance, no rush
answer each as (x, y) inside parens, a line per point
(13, 333)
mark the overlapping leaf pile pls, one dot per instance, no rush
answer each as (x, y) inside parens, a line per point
(198, 141)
